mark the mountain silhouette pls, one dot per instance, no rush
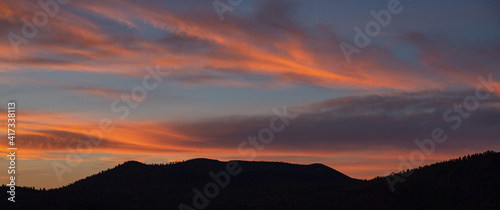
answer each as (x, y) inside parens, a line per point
(470, 182)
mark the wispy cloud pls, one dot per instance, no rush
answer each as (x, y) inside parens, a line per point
(268, 41)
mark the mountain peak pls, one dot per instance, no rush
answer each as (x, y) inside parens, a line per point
(470, 182)
(132, 163)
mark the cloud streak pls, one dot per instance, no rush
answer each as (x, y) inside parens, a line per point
(388, 124)
(269, 41)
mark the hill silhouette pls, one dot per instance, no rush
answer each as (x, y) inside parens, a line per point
(470, 182)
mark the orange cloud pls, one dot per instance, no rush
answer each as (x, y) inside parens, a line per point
(296, 55)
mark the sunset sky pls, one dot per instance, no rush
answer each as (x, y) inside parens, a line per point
(226, 77)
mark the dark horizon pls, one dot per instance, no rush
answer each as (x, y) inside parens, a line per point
(205, 183)
(264, 161)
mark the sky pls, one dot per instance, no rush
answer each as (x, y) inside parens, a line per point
(349, 84)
